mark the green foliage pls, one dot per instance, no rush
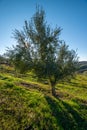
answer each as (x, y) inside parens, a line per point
(39, 49)
(20, 58)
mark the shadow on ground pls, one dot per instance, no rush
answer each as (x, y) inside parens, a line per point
(67, 117)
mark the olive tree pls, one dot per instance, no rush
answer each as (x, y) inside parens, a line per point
(40, 49)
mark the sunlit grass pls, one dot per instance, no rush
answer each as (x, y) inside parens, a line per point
(26, 103)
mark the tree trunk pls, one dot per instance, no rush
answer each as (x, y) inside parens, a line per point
(52, 84)
(53, 90)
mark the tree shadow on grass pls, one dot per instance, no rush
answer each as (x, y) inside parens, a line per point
(67, 117)
(77, 116)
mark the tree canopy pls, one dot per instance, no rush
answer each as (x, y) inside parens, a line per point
(40, 49)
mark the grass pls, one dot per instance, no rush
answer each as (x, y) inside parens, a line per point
(26, 104)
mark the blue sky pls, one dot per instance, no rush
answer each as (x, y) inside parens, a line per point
(70, 15)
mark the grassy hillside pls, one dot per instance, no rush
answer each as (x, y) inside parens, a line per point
(26, 104)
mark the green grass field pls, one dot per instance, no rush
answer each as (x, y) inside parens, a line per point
(26, 104)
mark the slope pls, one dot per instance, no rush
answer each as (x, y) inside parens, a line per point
(26, 104)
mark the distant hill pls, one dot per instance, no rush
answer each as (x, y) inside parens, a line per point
(82, 66)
